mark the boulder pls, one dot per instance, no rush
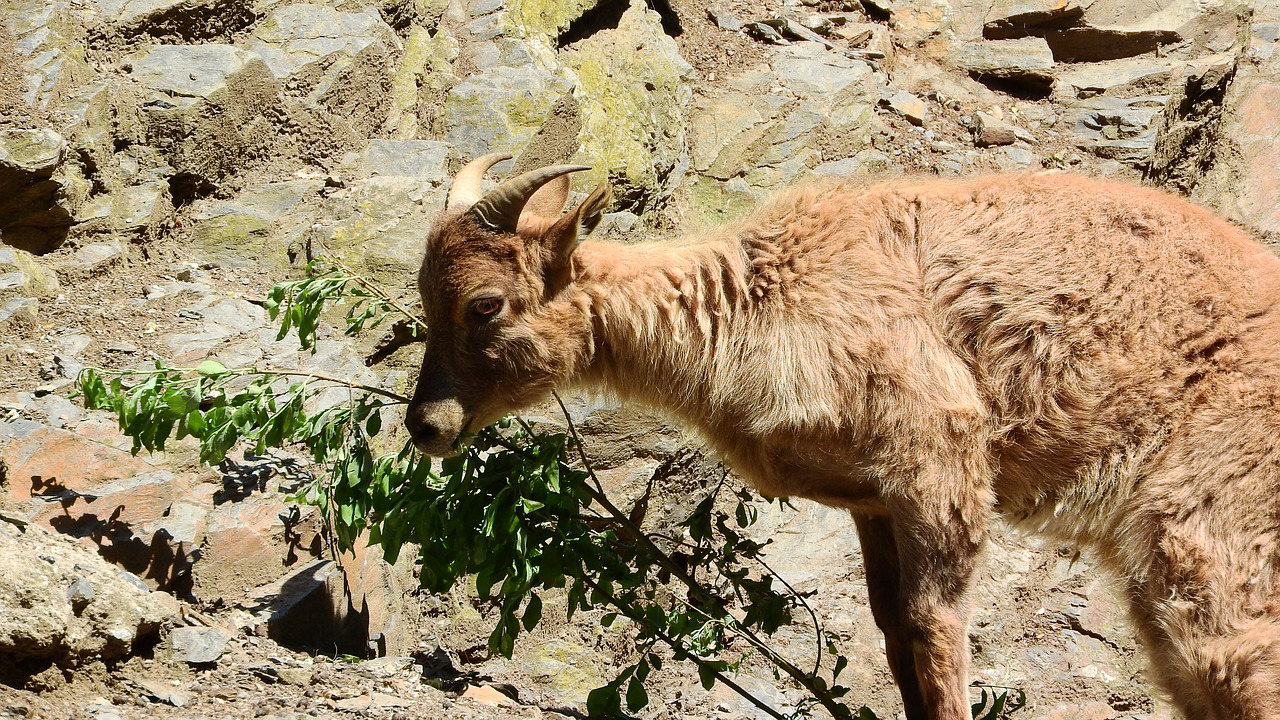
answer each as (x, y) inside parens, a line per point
(257, 226)
(1016, 18)
(503, 105)
(766, 129)
(47, 35)
(23, 275)
(420, 82)
(34, 213)
(337, 62)
(633, 132)
(1217, 140)
(990, 131)
(65, 605)
(1025, 62)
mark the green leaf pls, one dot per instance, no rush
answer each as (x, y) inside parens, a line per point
(603, 702)
(211, 369)
(707, 675)
(637, 697)
(532, 613)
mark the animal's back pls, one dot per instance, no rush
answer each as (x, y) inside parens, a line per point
(1121, 336)
(1096, 317)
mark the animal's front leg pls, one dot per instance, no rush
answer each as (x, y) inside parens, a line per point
(884, 591)
(938, 545)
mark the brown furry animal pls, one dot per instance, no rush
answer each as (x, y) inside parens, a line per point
(1088, 359)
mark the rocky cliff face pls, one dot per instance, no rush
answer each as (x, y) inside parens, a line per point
(163, 161)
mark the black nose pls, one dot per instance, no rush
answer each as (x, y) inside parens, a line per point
(422, 431)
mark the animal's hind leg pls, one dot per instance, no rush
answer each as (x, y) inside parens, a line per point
(939, 520)
(1238, 676)
(880, 557)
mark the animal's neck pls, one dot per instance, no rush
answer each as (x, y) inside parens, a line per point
(663, 315)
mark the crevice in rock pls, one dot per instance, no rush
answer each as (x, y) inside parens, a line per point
(1071, 41)
(1024, 88)
(1086, 44)
(606, 15)
(186, 187)
(182, 23)
(670, 19)
(1023, 26)
(876, 12)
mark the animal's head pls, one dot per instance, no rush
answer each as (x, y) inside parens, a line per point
(504, 325)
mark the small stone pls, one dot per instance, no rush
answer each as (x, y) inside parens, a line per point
(908, 106)
(724, 19)
(486, 695)
(199, 645)
(385, 667)
(80, 594)
(301, 677)
(765, 33)
(990, 131)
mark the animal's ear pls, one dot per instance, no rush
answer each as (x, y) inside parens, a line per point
(591, 211)
(548, 201)
(563, 236)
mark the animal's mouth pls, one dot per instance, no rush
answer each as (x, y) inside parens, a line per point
(435, 446)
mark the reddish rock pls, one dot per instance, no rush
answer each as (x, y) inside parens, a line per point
(36, 459)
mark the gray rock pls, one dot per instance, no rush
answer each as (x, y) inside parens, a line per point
(199, 645)
(135, 211)
(92, 258)
(256, 227)
(222, 318)
(1217, 140)
(41, 620)
(1016, 157)
(764, 32)
(1025, 61)
(18, 312)
(33, 210)
(1129, 116)
(724, 19)
(293, 37)
(1088, 79)
(29, 155)
(22, 274)
(907, 105)
(421, 159)
(647, 155)
(339, 63)
(46, 35)
(80, 594)
(989, 131)
(210, 107)
(809, 69)
(376, 225)
(1013, 18)
(190, 73)
(500, 108)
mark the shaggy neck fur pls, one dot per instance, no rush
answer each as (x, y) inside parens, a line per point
(661, 317)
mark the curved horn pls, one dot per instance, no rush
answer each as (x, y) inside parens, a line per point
(500, 207)
(466, 184)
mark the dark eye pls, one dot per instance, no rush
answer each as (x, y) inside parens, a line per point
(486, 307)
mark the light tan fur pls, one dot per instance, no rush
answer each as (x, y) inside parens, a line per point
(1091, 360)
